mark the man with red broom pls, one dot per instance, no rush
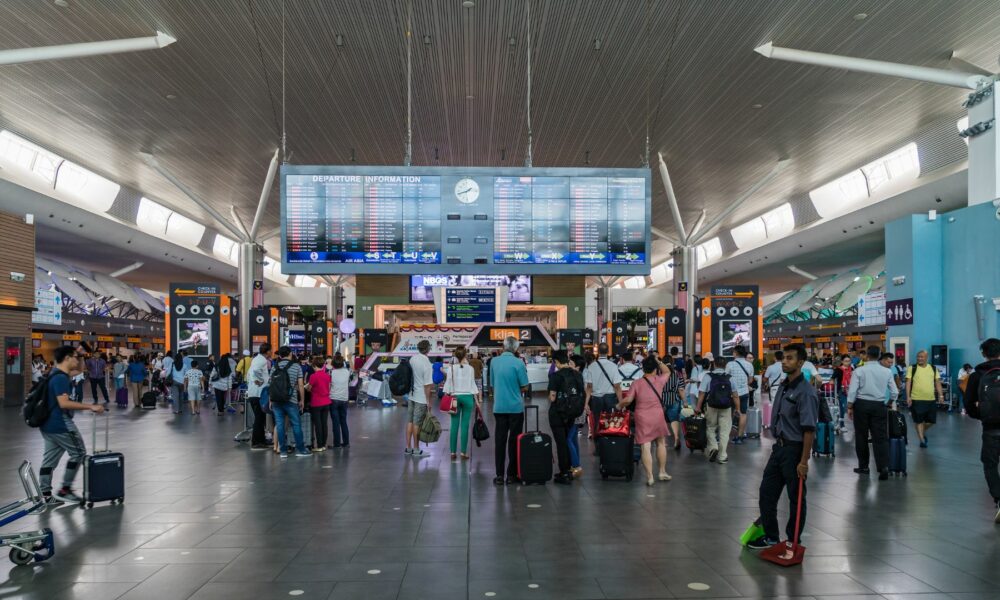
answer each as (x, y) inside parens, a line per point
(793, 424)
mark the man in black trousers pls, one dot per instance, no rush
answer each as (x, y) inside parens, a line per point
(793, 423)
(867, 407)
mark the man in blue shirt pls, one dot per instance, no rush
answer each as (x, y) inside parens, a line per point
(508, 377)
(59, 432)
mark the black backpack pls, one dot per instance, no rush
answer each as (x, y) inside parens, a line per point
(989, 397)
(36, 409)
(570, 399)
(401, 380)
(720, 391)
(280, 388)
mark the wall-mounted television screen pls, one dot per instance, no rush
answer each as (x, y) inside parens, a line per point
(422, 286)
(194, 336)
(734, 332)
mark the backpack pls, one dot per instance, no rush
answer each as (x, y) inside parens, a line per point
(989, 397)
(36, 409)
(430, 429)
(720, 391)
(627, 380)
(401, 380)
(570, 400)
(280, 388)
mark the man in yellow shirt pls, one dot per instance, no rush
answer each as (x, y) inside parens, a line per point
(243, 366)
(923, 388)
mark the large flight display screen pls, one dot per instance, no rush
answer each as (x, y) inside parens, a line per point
(458, 220)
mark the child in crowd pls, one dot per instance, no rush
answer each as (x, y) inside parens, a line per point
(195, 380)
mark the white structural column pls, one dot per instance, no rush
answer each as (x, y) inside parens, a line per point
(250, 267)
(984, 144)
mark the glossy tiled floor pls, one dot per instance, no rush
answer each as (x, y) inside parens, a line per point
(205, 518)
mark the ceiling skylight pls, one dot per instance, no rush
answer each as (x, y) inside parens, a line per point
(184, 231)
(901, 165)
(87, 189)
(709, 251)
(224, 248)
(840, 195)
(20, 155)
(779, 222)
(751, 233)
(152, 217)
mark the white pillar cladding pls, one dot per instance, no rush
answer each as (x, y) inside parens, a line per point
(249, 268)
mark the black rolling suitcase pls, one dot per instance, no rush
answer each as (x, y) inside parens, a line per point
(103, 472)
(695, 433)
(534, 453)
(615, 453)
(897, 443)
(148, 400)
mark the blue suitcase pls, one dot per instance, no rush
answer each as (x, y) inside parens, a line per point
(824, 446)
(897, 456)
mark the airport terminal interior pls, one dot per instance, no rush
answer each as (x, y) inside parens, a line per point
(513, 299)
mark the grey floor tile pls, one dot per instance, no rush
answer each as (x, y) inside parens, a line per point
(242, 590)
(173, 582)
(364, 590)
(892, 583)
(633, 587)
(93, 591)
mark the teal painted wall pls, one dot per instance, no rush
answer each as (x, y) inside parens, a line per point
(946, 262)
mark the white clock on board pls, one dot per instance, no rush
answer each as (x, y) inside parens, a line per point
(467, 190)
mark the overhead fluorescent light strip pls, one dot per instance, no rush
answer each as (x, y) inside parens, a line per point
(87, 189)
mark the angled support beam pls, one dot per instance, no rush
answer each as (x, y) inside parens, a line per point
(29, 55)
(663, 235)
(239, 223)
(675, 211)
(150, 160)
(877, 67)
(955, 63)
(734, 206)
(268, 235)
(698, 223)
(128, 269)
(265, 195)
(799, 271)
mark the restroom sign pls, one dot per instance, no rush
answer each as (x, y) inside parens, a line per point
(899, 312)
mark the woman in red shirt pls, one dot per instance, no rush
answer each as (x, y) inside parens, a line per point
(319, 390)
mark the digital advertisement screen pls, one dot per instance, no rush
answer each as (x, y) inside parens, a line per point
(422, 286)
(455, 220)
(734, 332)
(194, 336)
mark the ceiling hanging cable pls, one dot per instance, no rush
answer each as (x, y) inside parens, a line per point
(528, 157)
(408, 149)
(284, 130)
(263, 68)
(649, 77)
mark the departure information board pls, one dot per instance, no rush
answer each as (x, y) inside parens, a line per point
(470, 305)
(456, 220)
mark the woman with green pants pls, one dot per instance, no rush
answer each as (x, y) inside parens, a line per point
(460, 381)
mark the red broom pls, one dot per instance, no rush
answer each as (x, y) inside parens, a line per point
(790, 552)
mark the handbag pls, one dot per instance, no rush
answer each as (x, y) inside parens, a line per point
(480, 432)
(617, 423)
(449, 403)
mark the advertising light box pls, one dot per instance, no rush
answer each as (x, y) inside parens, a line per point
(456, 220)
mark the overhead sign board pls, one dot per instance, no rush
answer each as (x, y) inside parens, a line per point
(48, 307)
(470, 305)
(871, 309)
(456, 220)
(899, 312)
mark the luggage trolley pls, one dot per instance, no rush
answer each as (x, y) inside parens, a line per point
(31, 545)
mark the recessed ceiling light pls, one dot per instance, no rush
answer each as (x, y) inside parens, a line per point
(61, 3)
(469, 4)
(860, 16)
(756, 106)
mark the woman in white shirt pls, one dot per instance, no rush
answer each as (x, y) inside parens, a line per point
(460, 381)
(963, 380)
(697, 373)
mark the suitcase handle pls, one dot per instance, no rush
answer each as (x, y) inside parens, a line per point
(538, 424)
(107, 433)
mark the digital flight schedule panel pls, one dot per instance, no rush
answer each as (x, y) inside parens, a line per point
(462, 220)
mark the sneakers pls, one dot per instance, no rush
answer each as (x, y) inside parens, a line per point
(419, 454)
(52, 500)
(738, 441)
(883, 475)
(283, 455)
(498, 481)
(761, 544)
(712, 455)
(302, 454)
(67, 495)
(564, 479)
(923, 444)
(408, 451)
(861, 471)
(723, 461)
(996, 518)
(260, 447)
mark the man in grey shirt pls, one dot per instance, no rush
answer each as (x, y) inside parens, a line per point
(290, 407)
(866, 406)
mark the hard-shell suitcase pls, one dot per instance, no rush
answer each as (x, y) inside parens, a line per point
(897, 456)
(766, 414)
(615, 453)
(149, 400)
(121, 397)
(824, 446)
(695, 433)
(824, 442)
(103, 472)
(897, 425)
(754, 422)
(534, 453)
